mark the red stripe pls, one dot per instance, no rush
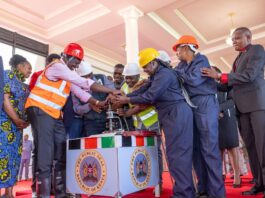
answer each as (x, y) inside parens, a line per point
(91, 143)
(139, 141)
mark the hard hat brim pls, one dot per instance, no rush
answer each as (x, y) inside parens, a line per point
(132, 74)
(175, 47)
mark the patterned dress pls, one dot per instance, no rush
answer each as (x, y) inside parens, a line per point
(10, 135)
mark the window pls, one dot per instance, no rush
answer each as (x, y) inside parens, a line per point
(13, 43)
(6, 53)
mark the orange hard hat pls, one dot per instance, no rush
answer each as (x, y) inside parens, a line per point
(75, 50)
(186, 39)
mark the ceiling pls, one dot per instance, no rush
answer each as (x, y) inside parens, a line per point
(97, 25)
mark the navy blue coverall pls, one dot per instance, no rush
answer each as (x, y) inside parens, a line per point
(175, 117)
(206, 154)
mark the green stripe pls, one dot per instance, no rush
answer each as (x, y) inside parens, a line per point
(107, 142)
(150, 141)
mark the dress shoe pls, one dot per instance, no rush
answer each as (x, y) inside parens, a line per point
(201, 195)
(44, 187)
(59, 184)
(253, 191)
(237, 185)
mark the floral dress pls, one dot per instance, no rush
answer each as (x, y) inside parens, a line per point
(10, 135)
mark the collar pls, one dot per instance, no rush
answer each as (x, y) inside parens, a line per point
(160, 67)
(62, 61)
(19, 75)
(245, 49)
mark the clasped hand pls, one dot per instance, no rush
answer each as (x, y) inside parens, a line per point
(118, 98)
(21, 124)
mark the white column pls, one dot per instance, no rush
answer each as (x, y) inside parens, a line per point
(130, 16)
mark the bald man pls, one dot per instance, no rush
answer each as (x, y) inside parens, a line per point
(247, 80)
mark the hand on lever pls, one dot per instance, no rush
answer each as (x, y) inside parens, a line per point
(123, 100)
(96, 108)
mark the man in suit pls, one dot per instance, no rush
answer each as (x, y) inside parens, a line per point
(1, 82)
(247, 80)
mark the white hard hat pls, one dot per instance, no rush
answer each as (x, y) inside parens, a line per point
(131, 69)
(84, 68)
(163, 55)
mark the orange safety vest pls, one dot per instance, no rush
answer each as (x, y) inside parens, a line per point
(49, 96)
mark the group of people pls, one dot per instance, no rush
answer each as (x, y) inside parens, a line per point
(66, 100)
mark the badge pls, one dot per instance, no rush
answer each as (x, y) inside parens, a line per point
(90, 171)
(140, 168)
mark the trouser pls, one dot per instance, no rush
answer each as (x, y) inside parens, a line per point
(75, 129)
(253, 134)
(51, 145)
(206, 154)
(24, 163)
(176, 122)
(34, 163)
(160, 159)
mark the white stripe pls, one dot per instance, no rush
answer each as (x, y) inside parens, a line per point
(51, 89)
(133, 140)
(61, 88)
(44, 101)
(145, 141)
(146, 116)
(125, 88)
(134, 117)
(99, 142)
(82, 145)
(118, 141)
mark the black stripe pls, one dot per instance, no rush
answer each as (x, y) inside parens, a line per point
(74, 144)
(126, 141)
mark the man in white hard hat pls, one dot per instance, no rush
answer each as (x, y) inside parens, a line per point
(144, 117)
(94, 118)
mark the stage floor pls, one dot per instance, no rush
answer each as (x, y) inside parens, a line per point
(22, 189)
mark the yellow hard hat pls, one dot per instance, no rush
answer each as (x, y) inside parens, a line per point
(147, 55)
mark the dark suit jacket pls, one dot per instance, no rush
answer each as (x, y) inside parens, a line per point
(248, 80)
(1, 83)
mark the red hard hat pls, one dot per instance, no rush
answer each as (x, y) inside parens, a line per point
(186, 39)
(75, 50)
